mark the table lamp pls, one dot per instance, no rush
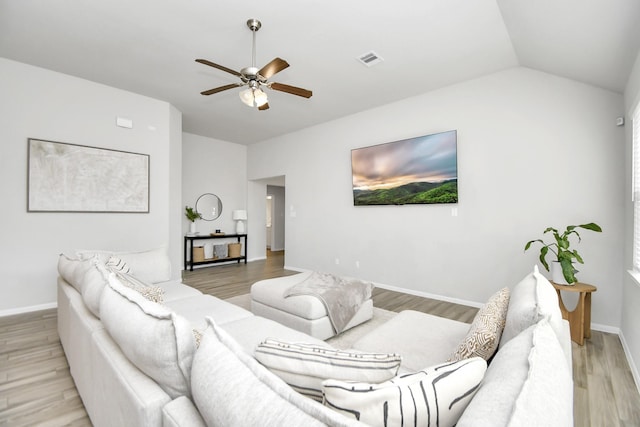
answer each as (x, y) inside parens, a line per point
(239, 216)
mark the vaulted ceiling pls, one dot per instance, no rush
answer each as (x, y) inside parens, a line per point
(149, 47)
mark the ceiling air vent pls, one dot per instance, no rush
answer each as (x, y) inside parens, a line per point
(370, 59)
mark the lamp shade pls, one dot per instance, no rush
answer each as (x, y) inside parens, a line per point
(239, 215)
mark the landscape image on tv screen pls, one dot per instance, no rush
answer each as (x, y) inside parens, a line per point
(418, 170)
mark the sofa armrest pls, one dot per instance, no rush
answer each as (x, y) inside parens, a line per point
(181, 412)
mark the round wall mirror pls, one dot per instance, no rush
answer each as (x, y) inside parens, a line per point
(209, 206)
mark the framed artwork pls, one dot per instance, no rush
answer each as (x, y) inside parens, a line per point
(421, 170)
(65, 177)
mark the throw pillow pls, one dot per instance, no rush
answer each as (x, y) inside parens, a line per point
(532, 299)
(150, 292)
(118, 265)
(305, 366)
(157, 341)
(435, 396)
(73, 270)
(484, 334)
(225, 381)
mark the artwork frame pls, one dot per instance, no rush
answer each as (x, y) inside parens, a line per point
(413, 171)
(65, 177)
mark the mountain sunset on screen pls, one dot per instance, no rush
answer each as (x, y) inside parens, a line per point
(412, 171)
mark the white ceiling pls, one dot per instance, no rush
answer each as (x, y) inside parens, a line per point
(149, 47)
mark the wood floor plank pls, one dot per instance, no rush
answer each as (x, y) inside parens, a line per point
(36, 387)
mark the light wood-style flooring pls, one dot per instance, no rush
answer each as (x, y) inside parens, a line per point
(36, 388)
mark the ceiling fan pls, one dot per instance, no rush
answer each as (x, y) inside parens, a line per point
(256, 78)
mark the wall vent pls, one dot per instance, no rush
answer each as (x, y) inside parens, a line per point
(370, 59)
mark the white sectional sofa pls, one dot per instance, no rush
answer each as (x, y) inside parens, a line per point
(136, 362)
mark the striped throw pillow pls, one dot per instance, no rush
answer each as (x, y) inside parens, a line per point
(118, 265)
(436, 396)
(305, 366)
(484, 334)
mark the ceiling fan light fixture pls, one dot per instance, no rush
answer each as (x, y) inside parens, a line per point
(260, 97)
(246, 96)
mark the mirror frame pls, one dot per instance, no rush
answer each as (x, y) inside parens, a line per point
(200, 206)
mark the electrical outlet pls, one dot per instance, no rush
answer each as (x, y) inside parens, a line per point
(337, 261)
(357, 264)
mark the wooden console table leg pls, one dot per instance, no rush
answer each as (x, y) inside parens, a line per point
(587, 315)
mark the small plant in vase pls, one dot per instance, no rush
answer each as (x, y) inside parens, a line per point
(561, 248)
(192, 215)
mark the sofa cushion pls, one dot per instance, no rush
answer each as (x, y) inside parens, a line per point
(72, 270)
(226, 381)
(421, 339)
(305, 366)
(525, 359)
(531, 300)
(435, 396)
(196, 308)
(484, 334)
(152, 266)
(159, 342)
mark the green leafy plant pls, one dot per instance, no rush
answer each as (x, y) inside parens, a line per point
(191, 214)
(562, 250)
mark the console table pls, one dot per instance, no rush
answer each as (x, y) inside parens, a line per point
(188, 249)
(580, 318)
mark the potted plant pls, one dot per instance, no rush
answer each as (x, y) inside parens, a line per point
(564, 255)
(192, 215)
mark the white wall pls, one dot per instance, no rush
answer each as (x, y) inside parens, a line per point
(534, 150)
(278, 219)
(38, 103)
(218, 167)
(630, 327)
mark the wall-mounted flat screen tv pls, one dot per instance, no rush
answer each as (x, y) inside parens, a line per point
(419, 170)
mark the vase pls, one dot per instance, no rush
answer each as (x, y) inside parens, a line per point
(192, 228)
(556, 274)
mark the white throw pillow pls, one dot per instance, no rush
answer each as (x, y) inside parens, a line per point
(484, 334)
(230, 388)
(532, 299)
(157, 341)
(305, 366)
(435, 396)
(546, 398)
(73, 270)
(93, 284)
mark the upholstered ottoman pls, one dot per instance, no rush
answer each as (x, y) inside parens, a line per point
(304, 313)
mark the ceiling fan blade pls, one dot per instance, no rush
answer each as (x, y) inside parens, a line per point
(273, 67)
(291, 89)
(219, 67)
(220, 89)
(264, 107)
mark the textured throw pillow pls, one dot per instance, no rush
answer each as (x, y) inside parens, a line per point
(484, 334)
(305, 366)
(157, 341)
(435, 396)
(226, 382)
(150, 292)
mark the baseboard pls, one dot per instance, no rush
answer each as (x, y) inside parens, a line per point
(428, 295)
(258, 258)
(22, 310)
(605, 328)
(632, 364)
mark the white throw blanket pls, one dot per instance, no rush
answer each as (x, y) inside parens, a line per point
(342, 297)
